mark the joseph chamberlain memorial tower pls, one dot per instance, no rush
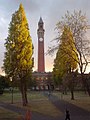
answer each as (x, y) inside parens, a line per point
(41, 59)
(43, 79)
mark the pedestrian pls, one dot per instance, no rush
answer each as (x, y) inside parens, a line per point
(67, 115)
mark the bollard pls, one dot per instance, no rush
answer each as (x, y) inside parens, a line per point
(28, 115)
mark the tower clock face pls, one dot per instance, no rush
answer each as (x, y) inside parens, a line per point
(40, 39)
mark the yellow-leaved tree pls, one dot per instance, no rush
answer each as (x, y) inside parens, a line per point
(66, 57)
(18, 61)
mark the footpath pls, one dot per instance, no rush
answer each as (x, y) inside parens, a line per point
(76, 113)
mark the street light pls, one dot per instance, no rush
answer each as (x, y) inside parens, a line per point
(11, 89)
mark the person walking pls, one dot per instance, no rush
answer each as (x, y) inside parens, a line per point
(67, 115)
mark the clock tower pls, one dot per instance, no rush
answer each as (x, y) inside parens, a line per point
(43, 79)
(40, 33)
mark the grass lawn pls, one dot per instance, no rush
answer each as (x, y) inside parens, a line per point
(32, 96)
(40, 104)
(37, 103)
(7, 114)
(81, 99)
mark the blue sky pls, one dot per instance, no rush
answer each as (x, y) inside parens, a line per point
(51, 12)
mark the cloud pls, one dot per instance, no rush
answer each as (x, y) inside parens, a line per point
(50, 10)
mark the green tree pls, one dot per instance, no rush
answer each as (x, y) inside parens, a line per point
(65, 56)
(57, 70)
(3, 83)
(69, 80)
(78, 24)
(18, 61)
(64, 62)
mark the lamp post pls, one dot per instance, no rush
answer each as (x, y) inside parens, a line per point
(11, 89)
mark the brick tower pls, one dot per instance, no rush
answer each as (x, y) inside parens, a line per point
(40, 32)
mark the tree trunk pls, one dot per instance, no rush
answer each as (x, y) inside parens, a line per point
(24, 94)
(72, 95)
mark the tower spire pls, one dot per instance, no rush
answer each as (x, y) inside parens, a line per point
(40, 20)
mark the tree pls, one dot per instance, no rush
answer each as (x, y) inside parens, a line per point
(18, 61)
(65, 56)
(64, 62)
(70, 81)
(78, 24)
(3, 83)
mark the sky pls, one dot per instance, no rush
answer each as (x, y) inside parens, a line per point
(51, 12)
